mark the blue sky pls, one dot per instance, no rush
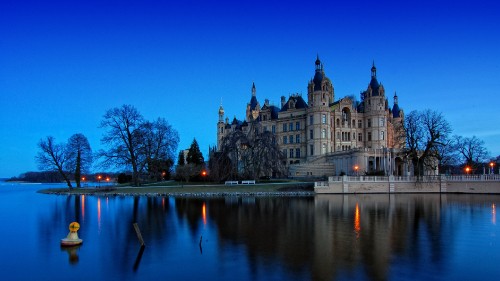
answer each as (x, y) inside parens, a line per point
(63, 64)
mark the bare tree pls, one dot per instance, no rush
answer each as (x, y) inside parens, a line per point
(123, 138)
(471, 150)
(251, 154)
(159, 142)
(79, 156)
(52, 157)
(427, 135)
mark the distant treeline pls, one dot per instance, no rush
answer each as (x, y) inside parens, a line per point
(55, 177)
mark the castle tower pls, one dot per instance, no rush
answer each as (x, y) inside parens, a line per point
(320, 94)
(253, 107)
(220, 127)
(376, 108)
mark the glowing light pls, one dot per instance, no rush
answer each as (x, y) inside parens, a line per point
(204, 213)
(467, 170)
(357, 221)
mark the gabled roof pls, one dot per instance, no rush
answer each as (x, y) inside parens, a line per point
(294, 102)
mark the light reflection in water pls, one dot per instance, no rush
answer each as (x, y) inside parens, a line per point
(357, 221)
(204, 213)
(99, 215)
(493, 214)
(83, 207)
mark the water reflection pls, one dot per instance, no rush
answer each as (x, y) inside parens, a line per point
(327, 237)
(493, 214)
(72, 252)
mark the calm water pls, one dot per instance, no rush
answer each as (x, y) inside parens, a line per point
(372, 237)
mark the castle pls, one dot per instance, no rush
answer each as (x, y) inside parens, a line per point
(324, 137)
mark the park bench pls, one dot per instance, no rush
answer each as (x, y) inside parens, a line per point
(248, 182)
(231, 182)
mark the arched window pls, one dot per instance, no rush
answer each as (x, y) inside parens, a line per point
(323, 133)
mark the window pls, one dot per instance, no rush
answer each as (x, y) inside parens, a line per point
(285, 139)
(297, 153)
(369, 122)
(284, 127)
(323, 118)
(290, 138)
(311, 135)
(273, 140)
(360, 124)
(311, 119)
(265, 117)
(297, 138)
(273, 129)
(284, 152)
(338, 122)
(297, 126)
(291, 152)
(323, 149)
(291, 126)
(360, 137)
(353, 123)
(382, 135)
(311, 149)
(382, 121)
(369, 136)
(323, 133)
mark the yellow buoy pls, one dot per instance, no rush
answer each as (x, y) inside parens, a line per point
(74, 226)
(72, 239)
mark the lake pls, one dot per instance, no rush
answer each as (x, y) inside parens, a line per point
(326, 237)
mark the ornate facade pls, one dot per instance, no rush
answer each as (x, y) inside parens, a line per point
(323, 136)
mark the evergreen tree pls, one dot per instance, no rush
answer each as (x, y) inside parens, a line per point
(180, 160)
(194, 155)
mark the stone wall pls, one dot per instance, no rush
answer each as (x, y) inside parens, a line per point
(352, 185)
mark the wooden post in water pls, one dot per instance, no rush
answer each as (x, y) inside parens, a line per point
(139, 235)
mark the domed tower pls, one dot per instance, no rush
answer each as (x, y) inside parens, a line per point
(376, 113)
(220, 127)
(320, 95)
(397, 121)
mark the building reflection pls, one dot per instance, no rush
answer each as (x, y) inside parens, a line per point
(325, 237)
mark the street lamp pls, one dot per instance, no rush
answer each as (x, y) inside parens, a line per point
(467, 169)
(99, 177)
(491, 168)
(356, 168)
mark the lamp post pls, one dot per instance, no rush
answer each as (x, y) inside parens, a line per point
(99, 177)
(491, 168)
(467, 170)
(356, 168)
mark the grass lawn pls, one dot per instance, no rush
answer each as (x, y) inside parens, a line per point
(176, 188)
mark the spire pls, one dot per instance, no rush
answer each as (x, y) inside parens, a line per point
(395, 98)
(254, 91)
(374, 70)
(221, 111)
(318, 64)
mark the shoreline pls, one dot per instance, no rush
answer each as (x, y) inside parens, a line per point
(196, 191)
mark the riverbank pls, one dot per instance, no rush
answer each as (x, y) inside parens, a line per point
(188, 190)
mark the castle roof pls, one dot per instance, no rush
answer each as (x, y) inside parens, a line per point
(294, 102)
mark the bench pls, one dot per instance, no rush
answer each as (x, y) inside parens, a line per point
(248, 182)
(231, 182)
